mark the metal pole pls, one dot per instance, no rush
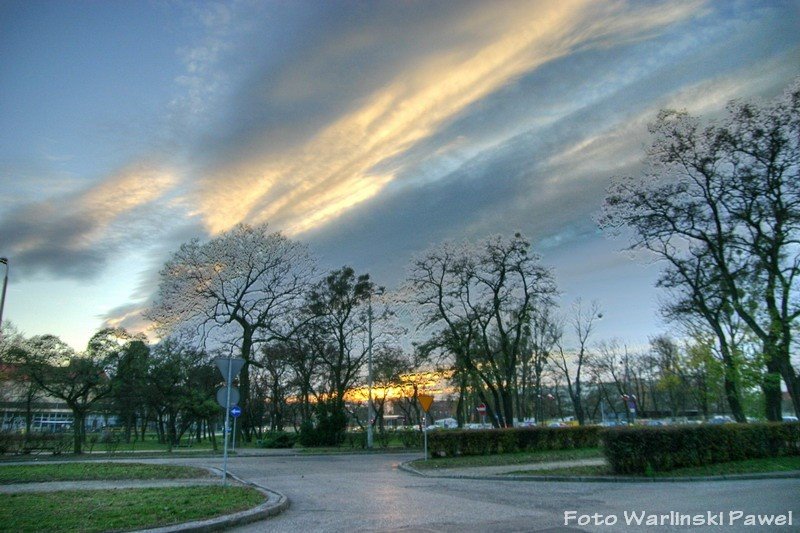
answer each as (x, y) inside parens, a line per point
(425, 434)
(4, 261)
(369, 372)
(227, 414)
(233, 439)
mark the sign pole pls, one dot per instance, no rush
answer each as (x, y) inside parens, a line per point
(233, 443)
(227, 415)
(425, 434)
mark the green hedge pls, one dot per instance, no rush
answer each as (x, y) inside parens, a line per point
(452, 443)
(643, 450)
(35, 442)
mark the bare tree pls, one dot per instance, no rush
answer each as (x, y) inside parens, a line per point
(582, 322)
(241, 286)
(728, 196)
(482, 298)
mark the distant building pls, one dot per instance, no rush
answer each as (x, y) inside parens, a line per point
(48, 414)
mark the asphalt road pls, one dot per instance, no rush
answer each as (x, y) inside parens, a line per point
(368, 493)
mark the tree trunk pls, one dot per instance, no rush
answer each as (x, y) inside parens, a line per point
(77, 431)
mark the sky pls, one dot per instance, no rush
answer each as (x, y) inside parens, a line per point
(369, 130)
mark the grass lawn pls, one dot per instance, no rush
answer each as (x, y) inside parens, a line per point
(95, 471)
(149, 444)
(116, 510)
(752, 466)
(506, 459)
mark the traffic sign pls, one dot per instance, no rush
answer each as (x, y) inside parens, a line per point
(481, 409)
(235, 363)
(425, 401)
(236, 411)
(222, 396)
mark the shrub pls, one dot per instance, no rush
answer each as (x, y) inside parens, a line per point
(10, 442)
(410, 438)
(639, 450)
(329, 430)
(111, 440)
(39, 442)
(383, 438)
(278, 439)
(451, 443)
(356, 439)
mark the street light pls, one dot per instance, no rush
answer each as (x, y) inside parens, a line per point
(370, 408)
(4, 261)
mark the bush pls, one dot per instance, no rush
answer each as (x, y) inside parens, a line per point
(278, 439)
(111, 440)
(9, 442)
(452, 443)
(410, 438)
(383, 438)
(38, 442)
(641, 450)
(330, 427)
(356, 439)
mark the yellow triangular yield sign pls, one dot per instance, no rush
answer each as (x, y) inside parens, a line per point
(425, 401)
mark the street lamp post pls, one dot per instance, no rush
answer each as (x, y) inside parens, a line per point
(369, 372)
(4, 261)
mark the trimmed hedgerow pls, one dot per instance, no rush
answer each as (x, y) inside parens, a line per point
(644, 450)
(452, 443)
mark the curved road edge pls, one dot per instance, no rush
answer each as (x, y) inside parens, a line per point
(602, 479)
(276, 503)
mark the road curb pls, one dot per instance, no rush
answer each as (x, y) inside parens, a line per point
(276, 503)
(604, 479)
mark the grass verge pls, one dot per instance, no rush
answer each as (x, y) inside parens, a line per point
(85, 471)
(331, 450)
(507, 459)
(116, 510)
(752, 466)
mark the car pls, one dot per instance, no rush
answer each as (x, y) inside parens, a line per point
(721, 419)
(790, 418)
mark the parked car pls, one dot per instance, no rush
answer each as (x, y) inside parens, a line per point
(721, 419)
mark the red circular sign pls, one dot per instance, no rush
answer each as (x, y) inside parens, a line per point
(481, 408)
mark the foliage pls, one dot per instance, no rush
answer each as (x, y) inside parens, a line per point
(639, 450)
(56, 443)
(330, 427)
(454, 443)
(410, 438)
(80, 380)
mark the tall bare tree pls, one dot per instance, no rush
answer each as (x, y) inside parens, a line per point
(728, 194)
(240, 286)
(481, 298)
(582, 321)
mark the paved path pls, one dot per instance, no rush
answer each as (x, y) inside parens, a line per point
(367, 493)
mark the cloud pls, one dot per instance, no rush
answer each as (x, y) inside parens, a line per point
(350, 160)
(74, 235)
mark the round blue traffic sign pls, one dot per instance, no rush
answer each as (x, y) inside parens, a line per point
(236, 411)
